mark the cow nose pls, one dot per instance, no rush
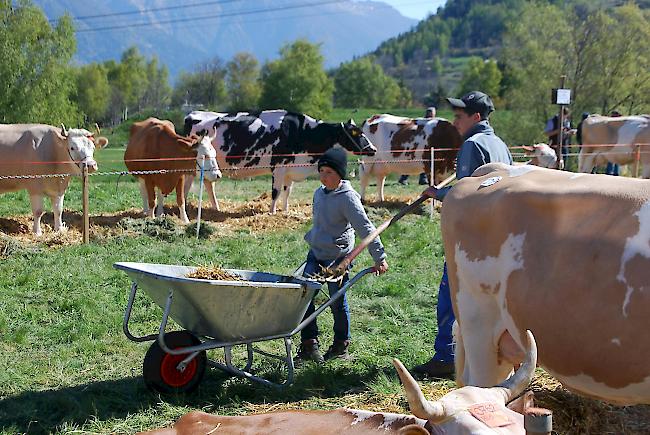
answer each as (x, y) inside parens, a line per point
(92, 165)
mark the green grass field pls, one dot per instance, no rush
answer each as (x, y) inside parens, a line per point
(66, 366)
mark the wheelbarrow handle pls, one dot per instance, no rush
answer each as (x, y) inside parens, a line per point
(345, 263)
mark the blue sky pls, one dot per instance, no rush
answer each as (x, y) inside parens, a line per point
(417, 9)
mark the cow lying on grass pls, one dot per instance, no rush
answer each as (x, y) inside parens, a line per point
(452, 414)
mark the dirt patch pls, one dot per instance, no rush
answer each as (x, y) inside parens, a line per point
(251, 217)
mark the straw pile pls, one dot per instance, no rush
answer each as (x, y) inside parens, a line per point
(215, 273)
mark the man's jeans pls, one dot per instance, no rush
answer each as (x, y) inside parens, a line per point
(340, 308)
(445, 316)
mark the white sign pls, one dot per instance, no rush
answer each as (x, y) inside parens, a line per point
(563, 96)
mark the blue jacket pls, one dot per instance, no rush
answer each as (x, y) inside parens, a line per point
(481, 147)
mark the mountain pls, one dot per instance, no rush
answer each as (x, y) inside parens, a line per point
(184, 36)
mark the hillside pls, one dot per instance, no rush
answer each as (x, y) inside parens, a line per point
(183, 37)
(432, 55)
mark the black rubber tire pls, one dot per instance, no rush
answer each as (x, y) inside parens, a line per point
(159, 370)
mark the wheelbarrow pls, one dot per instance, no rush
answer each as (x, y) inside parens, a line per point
(219, 314)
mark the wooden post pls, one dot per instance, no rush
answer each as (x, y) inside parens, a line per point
(561, 162)
(84, 187)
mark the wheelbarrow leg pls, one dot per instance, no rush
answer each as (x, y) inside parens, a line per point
(249, 362)
(289, 361)
(127, 317)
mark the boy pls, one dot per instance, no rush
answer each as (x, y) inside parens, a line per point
(337, 214)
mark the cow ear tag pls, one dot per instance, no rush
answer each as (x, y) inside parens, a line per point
(490, 414)
(490, 181)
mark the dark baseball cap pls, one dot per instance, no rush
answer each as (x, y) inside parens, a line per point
(474, 102)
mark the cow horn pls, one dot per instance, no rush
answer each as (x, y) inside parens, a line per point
(517, 383)
(64, 132)
(98, 130)
(419, 405)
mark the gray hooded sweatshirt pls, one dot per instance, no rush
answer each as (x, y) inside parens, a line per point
(337, 214)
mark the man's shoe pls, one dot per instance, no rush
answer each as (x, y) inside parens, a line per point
(338, 349)
(424, 180)
(403, 180)
(435, 369)
(308, 351)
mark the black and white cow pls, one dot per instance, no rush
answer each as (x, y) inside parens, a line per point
(284, 144)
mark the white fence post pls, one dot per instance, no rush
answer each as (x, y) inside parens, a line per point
(198, 216)
(84, 189)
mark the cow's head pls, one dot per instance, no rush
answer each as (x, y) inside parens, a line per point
(541, 155)
(453, 407)
(81, 144)
(206, 156)
(353, 139)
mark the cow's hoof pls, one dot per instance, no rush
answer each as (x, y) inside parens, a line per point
(62, 229)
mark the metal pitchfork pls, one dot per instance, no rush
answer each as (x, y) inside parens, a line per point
(335, 273)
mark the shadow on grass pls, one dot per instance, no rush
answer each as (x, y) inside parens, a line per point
(46, 411)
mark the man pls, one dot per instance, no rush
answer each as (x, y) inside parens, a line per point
(552, 131)
(612, 168)
(481, 146)
(424, 180)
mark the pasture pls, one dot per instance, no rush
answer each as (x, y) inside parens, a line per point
(66, 366)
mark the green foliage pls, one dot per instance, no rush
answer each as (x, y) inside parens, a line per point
(93, 91)
(242, 82)
(480, 75)
(206, 85)
(297, 81)
(35, 78)
(604, 57)
(362, 83)
(158, 92)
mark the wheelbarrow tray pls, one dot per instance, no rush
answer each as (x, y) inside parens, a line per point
(262, 306)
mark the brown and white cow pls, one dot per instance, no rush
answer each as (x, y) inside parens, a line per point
(284, 144)
(565, 255)
(41, 150)
(541, 155)
(620, 138)
(154, 146)
(404, 147)
(450, 415)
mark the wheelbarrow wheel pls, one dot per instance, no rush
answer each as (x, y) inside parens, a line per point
(160, 369)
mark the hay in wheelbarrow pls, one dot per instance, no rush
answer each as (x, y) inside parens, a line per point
(215, 273)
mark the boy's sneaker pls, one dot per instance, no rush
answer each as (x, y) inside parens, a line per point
(308, 351)
(338, 349)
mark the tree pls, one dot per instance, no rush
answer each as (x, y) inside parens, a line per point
(158, 92)
(481, 75)
(604, 56)
(35, 80)
(93, 92)
(362, 83)
(297, 81)
(206, 85)
(242, 82)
